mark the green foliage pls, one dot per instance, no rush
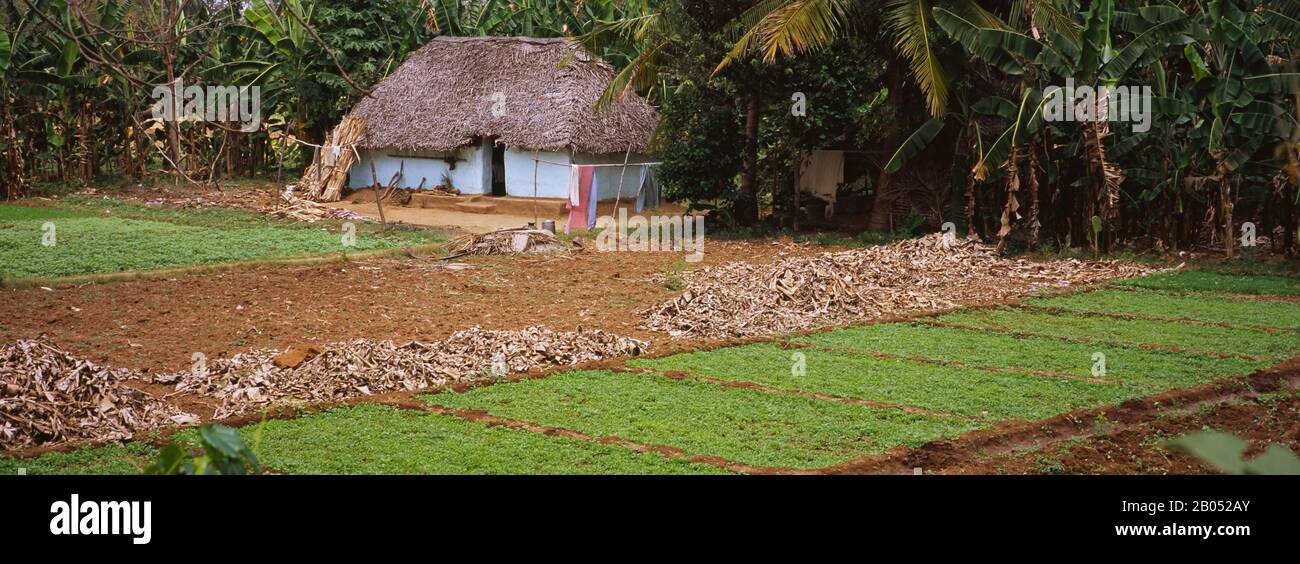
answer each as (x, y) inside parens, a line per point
(376, 439)
(224, 453)
(1227, 454)
(140, 239)
(744, 426)
(1261, 313)
(1127, 332)
(129, 458)
(1160, 369)
(1202, 281)
(964, 391)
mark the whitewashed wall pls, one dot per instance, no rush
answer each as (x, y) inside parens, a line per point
(470, 176)
(552, 180)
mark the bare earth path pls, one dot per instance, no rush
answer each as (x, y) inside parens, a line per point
(159, 324)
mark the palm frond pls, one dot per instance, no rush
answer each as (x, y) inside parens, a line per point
(789, 28)
(909, 21)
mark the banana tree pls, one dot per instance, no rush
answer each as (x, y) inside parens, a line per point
(1057, 58)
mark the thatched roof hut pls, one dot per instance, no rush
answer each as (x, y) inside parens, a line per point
(491, 115)
(529, 93)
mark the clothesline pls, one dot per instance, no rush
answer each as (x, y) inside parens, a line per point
(535, 159)
(293, 139)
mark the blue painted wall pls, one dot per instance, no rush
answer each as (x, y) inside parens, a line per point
(552, 180)
(473, 175)
(468, 177)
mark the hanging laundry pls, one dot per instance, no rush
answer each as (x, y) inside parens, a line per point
(593, 200)
(578, 211)
(573, 185)
(822, 175)
(647, 195)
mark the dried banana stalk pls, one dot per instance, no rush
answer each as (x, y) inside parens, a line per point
(836, 288)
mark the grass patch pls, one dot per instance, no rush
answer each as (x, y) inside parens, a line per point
(1200, 308)
(745, 426)
(129, 458)
(376, 439)
(976, 393)
(1201, 281)
(1274, 346)
(977, 348)
(89, 243)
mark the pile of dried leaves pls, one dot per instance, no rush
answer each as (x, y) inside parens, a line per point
(506, 241)
(49, 396)
(254, 380)
(292, 207)
(836, 288)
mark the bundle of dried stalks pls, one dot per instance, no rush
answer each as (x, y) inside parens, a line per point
(506, 241)
(323, 180)
(292, 207)
(49, 396)
(826, 289)
(254, 380)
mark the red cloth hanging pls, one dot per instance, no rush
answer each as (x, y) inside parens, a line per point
(578, 213)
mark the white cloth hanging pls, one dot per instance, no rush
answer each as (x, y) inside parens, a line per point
(822, 174)
(574, 196)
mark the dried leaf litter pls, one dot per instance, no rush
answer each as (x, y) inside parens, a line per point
(835, 288)
(251, 381)
(50, 396)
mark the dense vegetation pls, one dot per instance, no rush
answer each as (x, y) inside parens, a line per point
(945, 98)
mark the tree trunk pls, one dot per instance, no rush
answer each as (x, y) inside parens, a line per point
(881, 204)
(746, 211)
(883, 200)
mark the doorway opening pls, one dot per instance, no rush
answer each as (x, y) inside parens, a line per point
(498, 168)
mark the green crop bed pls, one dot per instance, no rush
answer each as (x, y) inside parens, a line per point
(374, 439)
(1195, 307)
(975, 393)
(130, 458)
(983, 349)
(1205, 338)
(1201, 281)
(137, 238)
(746, 426)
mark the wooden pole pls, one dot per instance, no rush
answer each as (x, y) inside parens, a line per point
(536, 220)
(619, 195)
(798, 174)
(374, 178)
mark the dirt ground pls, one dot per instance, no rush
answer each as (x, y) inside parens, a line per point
(1139, 449)
(480, 222)
(159, 324)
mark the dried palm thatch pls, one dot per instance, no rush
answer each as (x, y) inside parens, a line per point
(534, 94)
(251, 381)
(49, 396)
(505, 241)
(827, 289)
(323, 180)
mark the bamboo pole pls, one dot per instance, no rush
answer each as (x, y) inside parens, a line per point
(374, 178)
(536, 220)
(618, 196)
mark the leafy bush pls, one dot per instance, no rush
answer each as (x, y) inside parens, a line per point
(224, 453)
(1225, 452)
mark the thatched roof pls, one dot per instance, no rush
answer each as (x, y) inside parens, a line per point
(531, 93)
